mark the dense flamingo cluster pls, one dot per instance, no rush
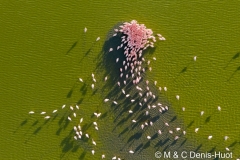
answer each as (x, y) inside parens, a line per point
(135, 38)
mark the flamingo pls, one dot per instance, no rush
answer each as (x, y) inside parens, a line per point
(131, 152)
(196, 130)
(47, 117)
(98, 38)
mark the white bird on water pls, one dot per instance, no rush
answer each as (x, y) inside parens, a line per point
(147, 112)
(31, 112)
(110, 49)
(92, 86)
(178, 129)
(183, 108)
(63, 106)
(96, 128)
(95, 123)
(87, 135)
(115, 102)
(80, 79)
(226, 137)
(97, 114)
(155, 83)
(79, 127)
(77, 106)
(69, 118)
(210, 137)
(148, 137)
(219, 108)
(165, 88)
(195, 58)
(93, 142)
(106, 78)
(166, 107)
(105, 100)
(134, 121)
(75, 128)
(47, 117)
(103, 156)
(151, 123)
(93, 152)
(81, 120)
(131, 151)
(196, 130)
(42, 112)
(177, 96)
(98, 38)
(202, 112)
(71, 108)
(159, 131)
(54, 111)
(227, 149)
(85, 29)
(130, 111)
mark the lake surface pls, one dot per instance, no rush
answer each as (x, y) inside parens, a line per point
(44, 51)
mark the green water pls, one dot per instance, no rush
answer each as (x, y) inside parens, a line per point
(38, 74)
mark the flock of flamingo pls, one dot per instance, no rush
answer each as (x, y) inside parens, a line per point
(135, 38)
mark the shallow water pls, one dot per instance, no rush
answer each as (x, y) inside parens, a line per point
(44, 52)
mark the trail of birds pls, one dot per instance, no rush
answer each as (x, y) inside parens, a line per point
(135, 39)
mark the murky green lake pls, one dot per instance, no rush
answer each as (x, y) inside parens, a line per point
(44, 51)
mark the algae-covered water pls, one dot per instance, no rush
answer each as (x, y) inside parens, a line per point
(44, 51)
